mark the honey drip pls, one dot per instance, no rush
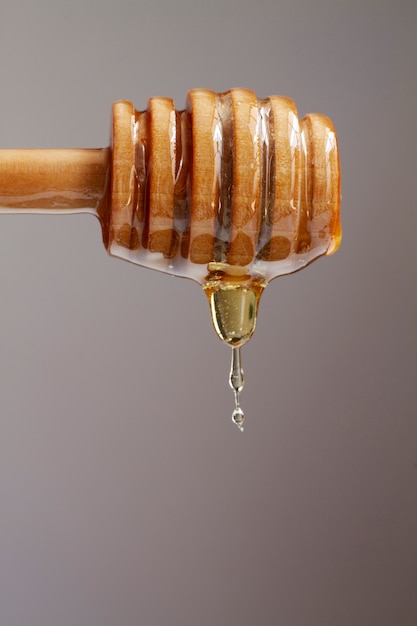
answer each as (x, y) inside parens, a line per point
(236, 381)
(234, 296)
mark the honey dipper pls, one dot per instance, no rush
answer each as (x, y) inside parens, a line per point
(231, 192)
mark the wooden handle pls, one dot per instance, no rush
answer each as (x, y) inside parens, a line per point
(231, 180)
(53, 180)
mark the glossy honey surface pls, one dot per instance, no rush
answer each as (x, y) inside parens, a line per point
(232, 179)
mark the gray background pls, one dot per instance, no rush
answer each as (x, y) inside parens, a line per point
(127, 496)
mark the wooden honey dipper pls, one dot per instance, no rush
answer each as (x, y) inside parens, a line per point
(232, 192)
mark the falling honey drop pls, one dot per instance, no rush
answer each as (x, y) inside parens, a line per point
(236, 381)
(233, 297)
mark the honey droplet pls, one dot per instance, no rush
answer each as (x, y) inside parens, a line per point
(233, 297)
(236, 381)
(238, 417)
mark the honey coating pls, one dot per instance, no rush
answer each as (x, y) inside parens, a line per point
(246, 207)
(231, 179)
(204, 175)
